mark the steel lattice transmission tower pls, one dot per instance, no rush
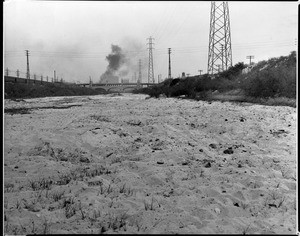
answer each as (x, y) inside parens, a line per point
(150, 66)
(219, 54)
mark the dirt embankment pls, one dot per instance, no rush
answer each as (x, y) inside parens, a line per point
(133, 165)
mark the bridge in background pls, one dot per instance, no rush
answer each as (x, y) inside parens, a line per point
(119, 87)
(115, 87)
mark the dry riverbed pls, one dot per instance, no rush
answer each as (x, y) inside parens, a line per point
(126, 164)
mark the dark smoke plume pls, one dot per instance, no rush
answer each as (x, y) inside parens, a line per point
(116, 59)
(123, 62)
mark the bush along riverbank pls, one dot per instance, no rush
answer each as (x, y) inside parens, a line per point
(271, 82)
(16, 90)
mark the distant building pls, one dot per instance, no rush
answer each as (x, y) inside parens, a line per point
(124, 81)
(109, 79)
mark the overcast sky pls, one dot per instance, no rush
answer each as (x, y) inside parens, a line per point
(74, 37)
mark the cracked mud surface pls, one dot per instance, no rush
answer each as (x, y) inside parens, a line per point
(126, 164)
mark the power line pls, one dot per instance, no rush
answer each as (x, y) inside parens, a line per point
(158, 50)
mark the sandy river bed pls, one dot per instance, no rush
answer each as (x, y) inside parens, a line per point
(127, 164)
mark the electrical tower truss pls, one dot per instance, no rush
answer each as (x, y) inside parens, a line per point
(219, 55)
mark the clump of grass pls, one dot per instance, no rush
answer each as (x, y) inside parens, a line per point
(30, 205)
(116, 160)
(244, 205)
(70, 208)
(117, 222)
(64, 179)
(286, 174)
(8, 187)
(46, 226)
(18, 204)
(149, 206)
(40, 184)
(95, 215)
(126, 191)
(5, 203)
(83, 214)
(109, 189)
(57, 195)
(246, 229)
(274, 199)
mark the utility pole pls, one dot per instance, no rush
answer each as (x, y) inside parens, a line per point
(169, 75)
(250, 57)
(47, 78)
(219, 36)
(200, 72)
(28, 71)
(150, 66)
(91, 82)
(54, 76)
(140, 72)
